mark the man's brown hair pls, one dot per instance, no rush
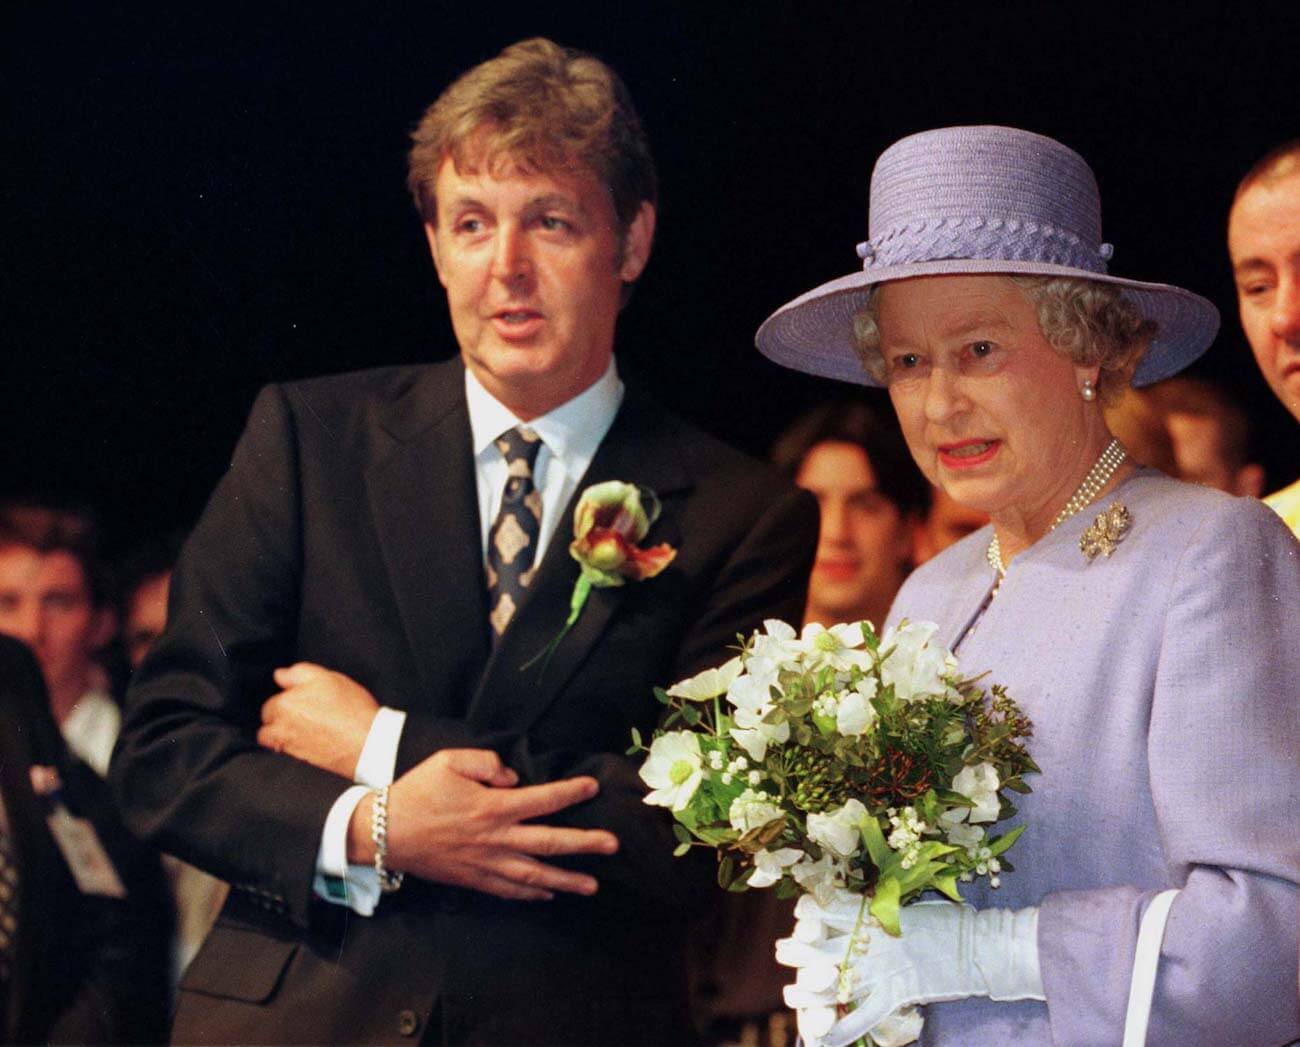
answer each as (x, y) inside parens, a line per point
(543, 107)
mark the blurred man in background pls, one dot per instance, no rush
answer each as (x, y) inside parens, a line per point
(1264, 244)
(55, 596)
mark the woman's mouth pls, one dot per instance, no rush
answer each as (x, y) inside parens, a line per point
(966, 454)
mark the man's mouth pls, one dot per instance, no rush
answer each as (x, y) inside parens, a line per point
(517, 323)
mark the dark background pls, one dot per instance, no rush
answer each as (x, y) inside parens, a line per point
(200, 198)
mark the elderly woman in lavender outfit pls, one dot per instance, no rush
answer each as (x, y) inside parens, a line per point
(1148, 627)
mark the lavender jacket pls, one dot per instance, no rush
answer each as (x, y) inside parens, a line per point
(1162, 683)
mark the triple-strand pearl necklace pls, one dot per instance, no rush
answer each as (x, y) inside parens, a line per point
(1098, 477)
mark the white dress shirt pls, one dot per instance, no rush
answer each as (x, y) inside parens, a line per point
(570, 434)
(90, 729)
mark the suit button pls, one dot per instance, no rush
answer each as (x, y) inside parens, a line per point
(408, 1023)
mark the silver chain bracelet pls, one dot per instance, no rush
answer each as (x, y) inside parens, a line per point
(388, 881)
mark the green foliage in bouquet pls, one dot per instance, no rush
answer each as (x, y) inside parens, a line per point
(839, 759)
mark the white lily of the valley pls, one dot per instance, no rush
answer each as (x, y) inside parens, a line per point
(673, 770)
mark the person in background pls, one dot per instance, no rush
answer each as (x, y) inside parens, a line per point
(145, 578)
(84, 920)
(946, 523)
(872, 498)
(55, 596)
(1264, 245)
(1211, 436)
(1135, 419)
(1190, 428)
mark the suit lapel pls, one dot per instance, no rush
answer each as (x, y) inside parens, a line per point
(424, 499)
(638, 449)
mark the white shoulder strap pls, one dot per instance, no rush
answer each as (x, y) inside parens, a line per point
(1146, 959)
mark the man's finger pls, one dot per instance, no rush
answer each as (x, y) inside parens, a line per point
(270, 708)
(267, 739)
(299, 673)
(537, 801)
(548, 840)
(481, 765)
(491, 883)
(528, 872)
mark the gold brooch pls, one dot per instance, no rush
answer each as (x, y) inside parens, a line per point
(1107, 531)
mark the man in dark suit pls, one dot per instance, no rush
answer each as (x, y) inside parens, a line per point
(407, 528)
(76, 966)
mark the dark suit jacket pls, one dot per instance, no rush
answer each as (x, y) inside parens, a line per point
(346, 532)
(87, 969)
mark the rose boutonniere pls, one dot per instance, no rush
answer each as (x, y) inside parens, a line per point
(610, 521)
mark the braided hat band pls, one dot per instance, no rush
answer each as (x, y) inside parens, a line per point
(979, 200)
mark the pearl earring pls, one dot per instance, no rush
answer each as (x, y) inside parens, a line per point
(1088, 392)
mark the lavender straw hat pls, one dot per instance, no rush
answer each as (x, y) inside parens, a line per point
(979, 200)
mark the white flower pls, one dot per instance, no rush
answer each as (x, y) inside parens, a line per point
(962, 835)
(900, 1028)
(751, 809)
(673, 770)
(854, 715)
(839, 830)
(753, 690)
(778, 643)
(817, 878)
(708, 684)
(837, 646)
(916, 666)
(770, 866)
(754, 736)
(979, 783)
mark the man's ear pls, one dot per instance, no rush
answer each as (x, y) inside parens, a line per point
(637, 242)
(431, 234)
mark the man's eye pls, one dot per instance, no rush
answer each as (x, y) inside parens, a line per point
(554, 224)
(469, 225)
(981, 349)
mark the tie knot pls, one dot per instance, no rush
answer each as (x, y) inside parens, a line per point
(519, 446)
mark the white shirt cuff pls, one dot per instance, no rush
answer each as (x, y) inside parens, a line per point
(378, 759)
(337, 882)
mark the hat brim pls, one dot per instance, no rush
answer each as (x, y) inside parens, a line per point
(814, 333)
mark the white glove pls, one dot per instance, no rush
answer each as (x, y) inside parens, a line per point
(946, 952)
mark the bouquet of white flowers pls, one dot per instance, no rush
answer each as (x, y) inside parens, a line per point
(835, 760)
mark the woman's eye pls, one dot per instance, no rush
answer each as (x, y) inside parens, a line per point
(981, 349)
(469, 225)
(906, 361)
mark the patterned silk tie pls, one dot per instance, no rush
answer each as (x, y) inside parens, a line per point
(512, 542)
